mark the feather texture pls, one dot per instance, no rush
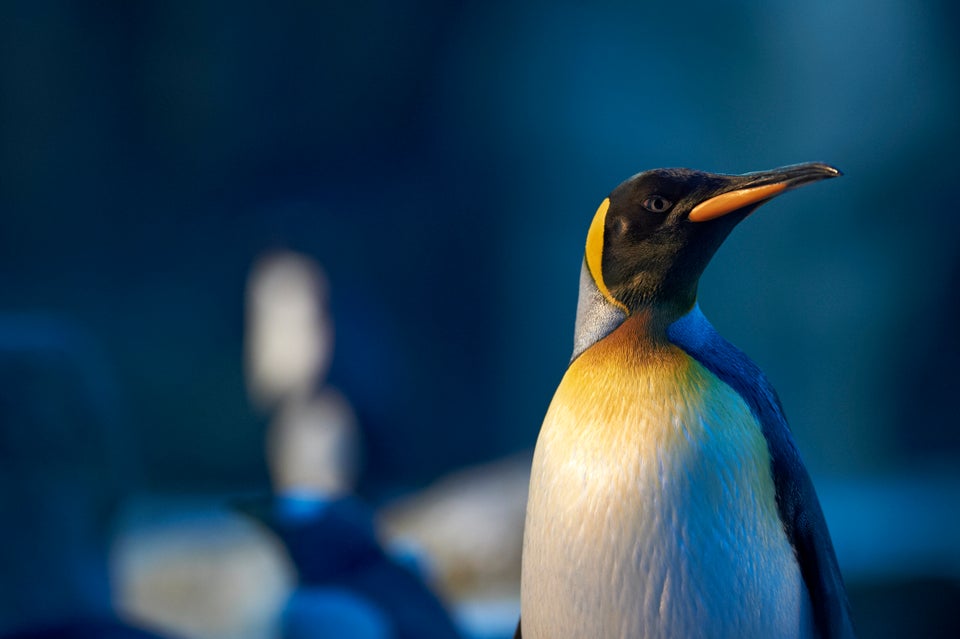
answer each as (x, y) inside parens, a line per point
(652, 509)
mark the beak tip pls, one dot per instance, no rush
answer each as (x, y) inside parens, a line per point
(830, 171)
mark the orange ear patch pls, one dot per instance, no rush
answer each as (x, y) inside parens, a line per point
(594, 252)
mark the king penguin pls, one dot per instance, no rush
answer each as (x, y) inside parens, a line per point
(667, 496)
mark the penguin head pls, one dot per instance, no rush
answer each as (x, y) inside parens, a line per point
(652, 238)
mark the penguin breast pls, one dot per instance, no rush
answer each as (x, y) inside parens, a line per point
(652, 510)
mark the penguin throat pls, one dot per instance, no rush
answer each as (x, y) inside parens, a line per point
(666, 295)
(647, 329)
(647, 318)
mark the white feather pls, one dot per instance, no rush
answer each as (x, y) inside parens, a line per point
(652, 509)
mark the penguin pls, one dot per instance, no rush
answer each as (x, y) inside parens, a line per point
(667, 495)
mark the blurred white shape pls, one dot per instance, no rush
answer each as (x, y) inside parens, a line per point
(488, 616)
(207, 575)
(470, 525)
(313, 446)
(289, 333)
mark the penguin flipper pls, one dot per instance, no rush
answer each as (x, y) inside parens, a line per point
(807, 531)
(797, 502)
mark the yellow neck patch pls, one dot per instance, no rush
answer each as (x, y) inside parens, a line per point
(594, 253)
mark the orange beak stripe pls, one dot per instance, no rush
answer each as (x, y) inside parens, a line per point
(720, 205)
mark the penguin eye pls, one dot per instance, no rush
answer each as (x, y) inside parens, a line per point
(657, 204)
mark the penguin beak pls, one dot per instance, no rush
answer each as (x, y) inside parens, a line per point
(753, 189)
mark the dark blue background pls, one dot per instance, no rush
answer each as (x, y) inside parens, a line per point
(442, 162)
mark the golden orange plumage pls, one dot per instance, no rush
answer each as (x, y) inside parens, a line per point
(651, 503)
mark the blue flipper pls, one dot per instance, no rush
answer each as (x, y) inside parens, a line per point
(797, 501)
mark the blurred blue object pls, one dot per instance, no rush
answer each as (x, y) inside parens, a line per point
(62, 475)
(348, 585)
(94, 628)
(322, 613)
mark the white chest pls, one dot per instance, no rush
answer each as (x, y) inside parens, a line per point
(652, 512)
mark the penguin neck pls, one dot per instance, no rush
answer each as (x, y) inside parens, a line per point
(646, 322)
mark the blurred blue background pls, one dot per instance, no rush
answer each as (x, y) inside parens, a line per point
(441, 162)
